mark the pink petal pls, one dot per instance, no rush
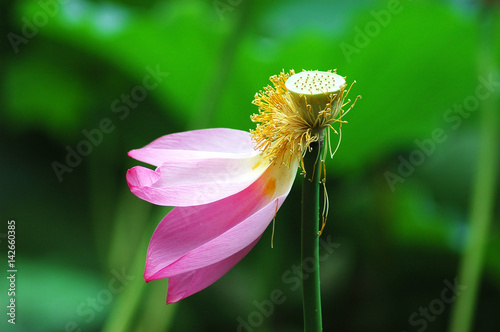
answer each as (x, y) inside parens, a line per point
(186, 284)
(204, 143)
(190, 238)
(195, 181)
(209, 252)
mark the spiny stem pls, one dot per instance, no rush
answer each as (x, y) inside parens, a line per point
(311, 295)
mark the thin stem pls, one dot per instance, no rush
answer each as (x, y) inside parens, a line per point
(311, 295)
(125, 307)
(482, 203)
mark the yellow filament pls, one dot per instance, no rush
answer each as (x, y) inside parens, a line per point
(288, 122)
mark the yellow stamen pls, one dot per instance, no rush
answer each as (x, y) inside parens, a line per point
(295, 112)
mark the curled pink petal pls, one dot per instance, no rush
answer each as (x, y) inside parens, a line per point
(204, 143)
(195, 181)
(197, 237)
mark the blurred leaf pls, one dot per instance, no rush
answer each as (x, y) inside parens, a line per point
(418, 221)
(54, 294)
(41, 93)
(405, 82)
(178, 38)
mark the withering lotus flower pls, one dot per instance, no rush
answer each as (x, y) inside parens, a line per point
(227, 185)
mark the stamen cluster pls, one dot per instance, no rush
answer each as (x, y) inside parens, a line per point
(295, 111)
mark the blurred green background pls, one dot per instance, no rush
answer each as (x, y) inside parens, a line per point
(76, 75)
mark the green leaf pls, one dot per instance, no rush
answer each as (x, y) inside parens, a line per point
(39, 93)
(50, 295)
(181, 38)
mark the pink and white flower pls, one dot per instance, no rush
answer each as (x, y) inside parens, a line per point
(227, 185)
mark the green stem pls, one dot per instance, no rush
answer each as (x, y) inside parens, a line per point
(482, 204)
(311, 295)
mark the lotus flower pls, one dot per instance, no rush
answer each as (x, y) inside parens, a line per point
(227, 185)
